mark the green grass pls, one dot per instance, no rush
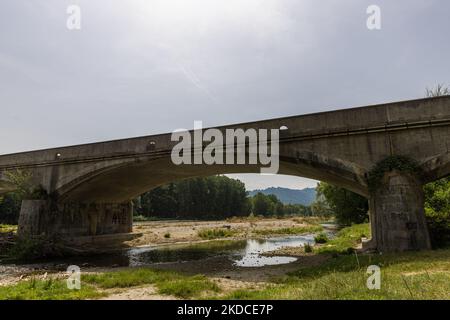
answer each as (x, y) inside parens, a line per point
(289, 231)
(4, 228)
(346, 240)
(414, 275)
(321, 238)
(215, 233)
(94, 285)
(188, 287)
(46, 290)
(410, 275)
(308, 248)
(167, 282)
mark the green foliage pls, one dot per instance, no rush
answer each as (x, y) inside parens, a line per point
(409, 275)
(215, 233)
(266, 205)
(128, 278)
(10, 208)
(321, 238)
(308, 248)
(291, 230)
(188, 287)
(205, 198)
(348, 207)
(346, 239)
(25, 189)
(320, 207)
(167, 282)
(270, 205)
(37, 247)
(297, 209)
(50, 289)
(437, 211)
(399, 163)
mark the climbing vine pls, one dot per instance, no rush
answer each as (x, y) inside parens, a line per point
(399, 163)
(25, 189)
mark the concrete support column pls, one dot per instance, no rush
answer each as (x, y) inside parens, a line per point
(49, 218)
(397, 214)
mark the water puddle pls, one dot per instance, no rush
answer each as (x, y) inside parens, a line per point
(251, 255)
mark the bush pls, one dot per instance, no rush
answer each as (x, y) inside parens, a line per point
(167, 235)
(438, 227)
(348, 207)
(38, 247)
(437, 211)
(308, 248)
(321, 238)
(215, 233)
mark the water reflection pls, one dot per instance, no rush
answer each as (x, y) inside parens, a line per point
(251, 255)
(245, 253)
(180, 253)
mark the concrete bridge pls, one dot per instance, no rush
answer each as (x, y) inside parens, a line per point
(89, 187)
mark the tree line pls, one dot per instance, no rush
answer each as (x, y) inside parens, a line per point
(215, 197)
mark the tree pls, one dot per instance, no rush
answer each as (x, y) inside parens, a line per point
(347, 206)
(24, 189)
(211, 197)
(438, 91)
(261, 205)
(437, 195)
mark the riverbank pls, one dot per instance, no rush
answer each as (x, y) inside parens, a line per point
(330, 271)
(176, 232)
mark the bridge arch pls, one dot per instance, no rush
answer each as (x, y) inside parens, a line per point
(124, 181)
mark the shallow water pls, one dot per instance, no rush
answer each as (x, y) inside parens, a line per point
(251, 255)
(245, 253)
(240, 253)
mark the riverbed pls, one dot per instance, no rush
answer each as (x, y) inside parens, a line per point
(236, 258)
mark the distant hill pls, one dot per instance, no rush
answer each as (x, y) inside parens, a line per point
(290, 196)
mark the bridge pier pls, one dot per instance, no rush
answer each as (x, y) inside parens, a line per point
(71, 220)
(397, 215)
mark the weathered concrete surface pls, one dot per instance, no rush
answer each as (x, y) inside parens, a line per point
(46, 217)
(397, 214)
(339, 147)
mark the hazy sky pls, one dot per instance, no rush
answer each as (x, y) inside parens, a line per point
(140, 67)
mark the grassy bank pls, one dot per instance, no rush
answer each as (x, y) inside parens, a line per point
(34, 289)
(96, 285)
(345, 240)
(411, 275)
(216, 233)
(288, 231)
(167, 282)
(419, 275)
(342, 274)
